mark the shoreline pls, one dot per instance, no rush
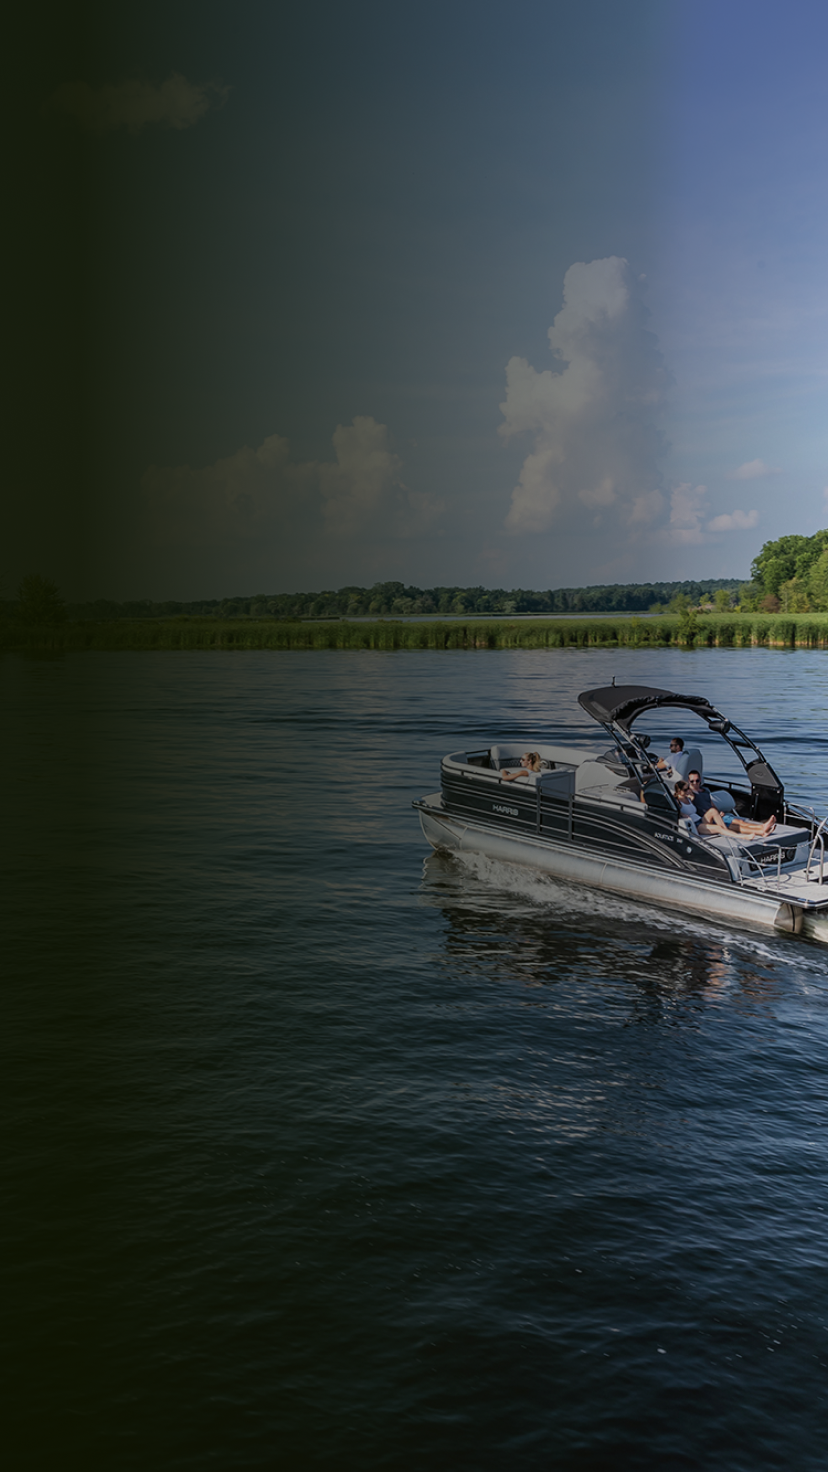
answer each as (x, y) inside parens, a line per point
(657, 631)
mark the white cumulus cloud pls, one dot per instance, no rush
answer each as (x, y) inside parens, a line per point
(135, 103)
(365, 471)
(647, 508)
(734, 521)
(687, 511)
(240, 496)
(594, 418)
(754, 470)
(688, 524)
(264, 493)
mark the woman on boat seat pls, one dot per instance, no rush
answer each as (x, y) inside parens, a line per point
(529, 762)
(712, 825)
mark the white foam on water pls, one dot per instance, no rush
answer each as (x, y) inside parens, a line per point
(575, 901)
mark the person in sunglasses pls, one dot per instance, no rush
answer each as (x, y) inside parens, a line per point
(711, 824)
(700, 797)
(676, 748)
(529, 762)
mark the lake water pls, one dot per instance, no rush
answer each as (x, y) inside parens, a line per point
(326, 1152)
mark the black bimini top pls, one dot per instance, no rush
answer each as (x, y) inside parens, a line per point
(622, 703)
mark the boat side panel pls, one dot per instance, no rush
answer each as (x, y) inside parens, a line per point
(674, 891)
(630, 833)
(614, 829)
(488, 799)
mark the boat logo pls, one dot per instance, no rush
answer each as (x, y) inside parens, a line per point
(769, 860)
(499, 807)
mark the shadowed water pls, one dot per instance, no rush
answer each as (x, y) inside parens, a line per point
(324, 1151)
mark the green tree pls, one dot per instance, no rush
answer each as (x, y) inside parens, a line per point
(818, 583)
(39, 602)
(776, 562)
(793, 596)
(688, 627)
(817, 544)
(749, 596)
(786, 558)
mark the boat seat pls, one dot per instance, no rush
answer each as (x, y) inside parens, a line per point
(508, 754)
(689, 760)
(592, 774)
(783, 836)
(610, 792)
(512, 764)
(724, 801)
(503, 757)
(559, 781)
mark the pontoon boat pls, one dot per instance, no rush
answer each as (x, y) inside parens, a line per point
(611, 819)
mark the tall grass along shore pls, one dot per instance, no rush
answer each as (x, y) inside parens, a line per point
(685, 631)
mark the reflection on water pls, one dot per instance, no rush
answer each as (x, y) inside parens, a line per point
(532, 924)
(328, 1151)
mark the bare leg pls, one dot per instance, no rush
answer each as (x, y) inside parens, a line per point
(743, 825)
(712, 823)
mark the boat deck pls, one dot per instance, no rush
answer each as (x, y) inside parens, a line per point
(792, 883)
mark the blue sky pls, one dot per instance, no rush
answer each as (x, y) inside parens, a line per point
(282, 267)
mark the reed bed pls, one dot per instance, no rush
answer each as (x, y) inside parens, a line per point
(741, 631)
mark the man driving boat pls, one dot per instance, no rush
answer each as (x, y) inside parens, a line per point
(676, 748)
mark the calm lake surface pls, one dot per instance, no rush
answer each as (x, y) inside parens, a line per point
(326, 1152)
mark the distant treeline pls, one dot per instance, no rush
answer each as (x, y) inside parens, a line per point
(789, 575)
(39, 619)
(398, 600)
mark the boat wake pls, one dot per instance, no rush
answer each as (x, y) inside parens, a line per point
(470, 876)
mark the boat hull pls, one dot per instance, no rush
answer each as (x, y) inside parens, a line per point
(713, 900)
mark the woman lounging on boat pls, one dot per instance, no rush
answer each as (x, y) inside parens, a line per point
(529, 762)
(712, 825)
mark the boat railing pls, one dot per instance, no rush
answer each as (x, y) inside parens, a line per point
(818, 838)
(761, 874)
(744, 866)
